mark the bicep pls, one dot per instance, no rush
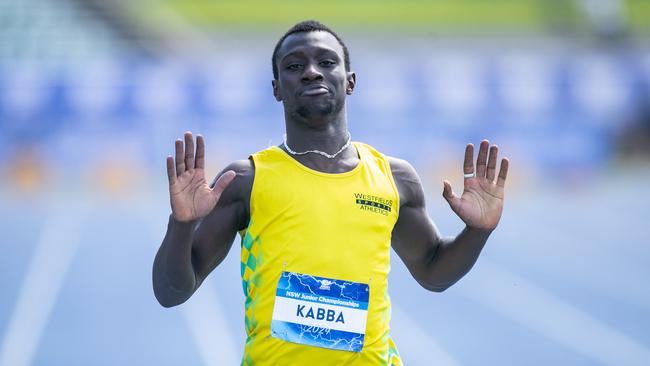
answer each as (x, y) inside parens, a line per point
(215, 234)
(415, 238)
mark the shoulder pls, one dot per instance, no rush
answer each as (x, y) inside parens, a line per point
(402, 170)
(407, 181)
(243, 167)
(241, 186)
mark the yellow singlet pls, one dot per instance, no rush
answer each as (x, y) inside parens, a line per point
(319, 226)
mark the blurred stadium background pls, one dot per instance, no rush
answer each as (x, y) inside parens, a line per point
(93, 93)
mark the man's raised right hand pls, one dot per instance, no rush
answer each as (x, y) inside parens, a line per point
(190, 195)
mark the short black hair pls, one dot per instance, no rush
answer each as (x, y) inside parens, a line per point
(309, 26)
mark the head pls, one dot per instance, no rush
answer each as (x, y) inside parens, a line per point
(309, 26)
(311, 70)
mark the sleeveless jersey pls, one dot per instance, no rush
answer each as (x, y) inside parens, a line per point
(324, 226)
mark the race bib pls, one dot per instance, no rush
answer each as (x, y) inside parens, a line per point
(320, 312)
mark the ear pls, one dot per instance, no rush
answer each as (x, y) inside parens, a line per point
(276, 90)
(352, 80)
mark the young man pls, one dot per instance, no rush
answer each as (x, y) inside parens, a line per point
(318, 216)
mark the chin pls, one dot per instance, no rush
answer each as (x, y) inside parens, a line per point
(319, 110)
(315, 111)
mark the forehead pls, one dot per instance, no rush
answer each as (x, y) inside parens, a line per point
(305, 42)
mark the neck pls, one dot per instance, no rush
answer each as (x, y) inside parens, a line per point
(327, 133)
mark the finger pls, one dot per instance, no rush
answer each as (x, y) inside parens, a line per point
(492, 163)
(468, 164)
(171, 175)
(200, 152)
(223, 182)
(189, 151)
(180, 163)
(450, 196)
(503, 172)
(482, 159)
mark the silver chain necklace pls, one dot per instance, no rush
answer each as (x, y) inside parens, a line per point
(329, 156)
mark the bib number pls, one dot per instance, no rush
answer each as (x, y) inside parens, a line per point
(320, 312)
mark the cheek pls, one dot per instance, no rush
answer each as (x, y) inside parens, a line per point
(283, 88)
(339, 79)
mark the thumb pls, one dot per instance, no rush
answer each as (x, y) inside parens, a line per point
(222, 182)
(449, 195)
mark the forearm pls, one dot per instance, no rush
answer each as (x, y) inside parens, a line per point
(452, 258)
(174, 278)
(438, 263)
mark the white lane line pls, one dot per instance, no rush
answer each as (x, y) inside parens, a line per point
(571, 264)
(44, 277)
(411, 338)
(515, 297)
(205, 316)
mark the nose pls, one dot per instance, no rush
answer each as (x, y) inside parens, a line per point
(311, 73)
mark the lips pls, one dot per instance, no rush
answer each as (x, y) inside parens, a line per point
(314, 91)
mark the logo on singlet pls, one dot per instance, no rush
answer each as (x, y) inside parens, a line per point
(373, 203)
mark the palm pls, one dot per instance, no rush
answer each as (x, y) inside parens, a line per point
(190, 195)
(481, 203)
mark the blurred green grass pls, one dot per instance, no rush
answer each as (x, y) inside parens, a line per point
(440, 15)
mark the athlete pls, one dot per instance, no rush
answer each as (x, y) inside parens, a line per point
(318, 216)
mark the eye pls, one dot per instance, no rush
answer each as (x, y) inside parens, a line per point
(294, 67)
(328, 63)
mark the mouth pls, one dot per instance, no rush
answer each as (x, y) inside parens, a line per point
(314, 91)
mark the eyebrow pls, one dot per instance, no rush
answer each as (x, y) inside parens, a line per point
(321, 50)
